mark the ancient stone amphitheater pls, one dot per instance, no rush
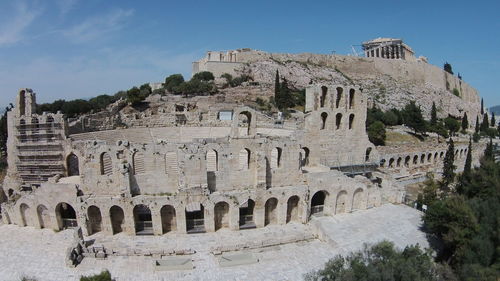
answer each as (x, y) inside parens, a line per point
(224, 166)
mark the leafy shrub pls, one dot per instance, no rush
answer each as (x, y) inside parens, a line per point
(173, 81)
(376, 133)
(456, 92)
(203, 76)
(103, 276)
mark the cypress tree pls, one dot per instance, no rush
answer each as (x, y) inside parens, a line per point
(488, 152)
(486, 123)
(482, 107)
(277, 86)
(477, 124)
(448, 166)
(493, 121)
(465, 122)
(433, 115)
(468, 162)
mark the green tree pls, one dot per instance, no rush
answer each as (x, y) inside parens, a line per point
(449, 166)
(203, 76)
(390, 118)
(447, 68)
(452, 125)
(482, 106)
(430, 191)
(413, 118)
(277, 86)
(493, 121)
(465, 122)
(376, 133)
(172, 82)
(433, 121)
(486, 124)
(477, 127)
(381, 261)
(468, 161)
(103, 276)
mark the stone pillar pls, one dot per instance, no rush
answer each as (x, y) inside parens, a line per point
(156, 218)
(259, 214)
(234, 217)
(129, 224)
(281, 212)
(348, 204)
(106, 226)
(180, 217)
(304, 211)
(209, 218)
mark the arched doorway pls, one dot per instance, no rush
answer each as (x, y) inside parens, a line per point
(72, 165)
(143, 220)
(357, 199)
(367, 154)
(24, 209)
(43, 216)
(271, 216)
(324, 116)
(94, 219)
(318, 203)
(117, 219)
(244, 120)
(66, 216)
(168, 222)
(304, 157)
(246, 215)
(340, 206)
(195, 218)
(292, 209)
(221, 215)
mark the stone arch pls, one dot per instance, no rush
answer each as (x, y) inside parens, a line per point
(351, 121)
(221, 215)
(35, 122)
(246, 215)
(357, 199)
(429, 157)
(106, 164)
(436, 155)
(391, 163)
(143, 220)
(244, 159)
(94, 220)
(276, 154)
(422, 158)
(407, 161)
(341, 202)
(66, 216)
(43, 216)
(292, 209)
(168, 219)
(24, 211)
(212, 160)
(271, 211)
(324, 117)
(304, 157)
(117, 219)
(72, 165)
(338, 121)
(441, 155)
(398, 163)
(367, 154)
(339, 96)
(195, 218)
(322, 99)
(351, 98)
(318, 202)
(138, 163)
(244, 120)
(415, 159)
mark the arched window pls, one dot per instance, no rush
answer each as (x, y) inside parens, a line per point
(391, 163)
(244, 119)
(351, 121)
(422, 159)
(367, 154)
(35, 123)
(407, 161)
(322, 99)
(324, 116)
(398, 163)
(106, 164)
(138, 163)
(304, 157)
(339, 97)
(212, 161)
(338, 121)
(244, 159)
(72, 165)
(351, 99)
(276, 157)
(415, 160)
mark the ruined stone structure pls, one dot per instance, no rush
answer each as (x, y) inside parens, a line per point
(388, 48)
(235, 169)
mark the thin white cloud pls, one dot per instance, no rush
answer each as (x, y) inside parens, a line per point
(98, 26)
(65, 6)
(13, 27)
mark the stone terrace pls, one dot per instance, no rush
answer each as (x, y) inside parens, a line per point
(40, 253)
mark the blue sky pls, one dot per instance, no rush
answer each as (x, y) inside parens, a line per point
(81, 48)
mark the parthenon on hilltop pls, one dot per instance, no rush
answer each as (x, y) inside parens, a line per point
(388, 48)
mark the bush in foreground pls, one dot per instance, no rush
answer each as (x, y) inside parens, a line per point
(103, 276)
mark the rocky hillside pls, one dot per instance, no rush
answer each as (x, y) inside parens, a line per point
(383, 90)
